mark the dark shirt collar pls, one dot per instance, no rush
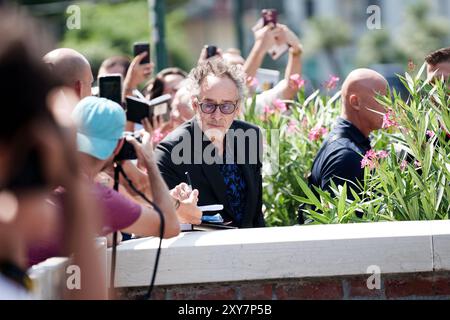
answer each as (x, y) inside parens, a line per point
(344, 126)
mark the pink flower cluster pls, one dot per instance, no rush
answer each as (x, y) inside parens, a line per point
(371, 158)
(317, 133)
(296, 81)
(280, 105)
(430, 133)
(292, 126)
(268, 110)
(332, 82)
(389, 120)
(277, 106)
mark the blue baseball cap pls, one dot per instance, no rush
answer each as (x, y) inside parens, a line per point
(100, 125)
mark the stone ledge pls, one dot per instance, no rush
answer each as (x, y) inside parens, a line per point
(286, 253)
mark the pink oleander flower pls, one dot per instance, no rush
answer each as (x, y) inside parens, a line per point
(371, 158)
(430, 133)
(292, 126)
(280, 105)
(317, 133)
(403, 165)
(252, 82)
(157, 136)
(388, 120)
(367, 162)
(296, 81)
(332, 82)
(382, 154)
(371, 154)
(417, 164)
(268, 110)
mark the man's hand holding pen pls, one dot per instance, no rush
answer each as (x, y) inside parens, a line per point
(187, 212)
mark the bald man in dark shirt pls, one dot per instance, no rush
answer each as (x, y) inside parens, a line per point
(339, 158)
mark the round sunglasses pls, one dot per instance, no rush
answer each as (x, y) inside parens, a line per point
(210, 107)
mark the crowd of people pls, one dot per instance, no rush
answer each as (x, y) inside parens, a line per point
(59, 143)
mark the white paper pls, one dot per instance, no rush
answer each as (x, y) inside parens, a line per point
(213, 207)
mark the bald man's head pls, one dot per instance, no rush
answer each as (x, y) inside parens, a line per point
(359, 106)
(72, 68)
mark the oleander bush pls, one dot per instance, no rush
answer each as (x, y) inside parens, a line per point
(407, 172)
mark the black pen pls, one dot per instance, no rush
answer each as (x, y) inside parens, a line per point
(188, 179)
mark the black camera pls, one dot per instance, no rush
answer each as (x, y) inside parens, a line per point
(127, 152)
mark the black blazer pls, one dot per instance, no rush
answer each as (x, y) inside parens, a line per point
(207, 177)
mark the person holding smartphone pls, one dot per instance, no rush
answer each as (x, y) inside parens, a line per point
(265, 38)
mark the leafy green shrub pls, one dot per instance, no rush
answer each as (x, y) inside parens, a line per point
(407, 172)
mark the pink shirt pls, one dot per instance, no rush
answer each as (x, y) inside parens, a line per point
(117, 213)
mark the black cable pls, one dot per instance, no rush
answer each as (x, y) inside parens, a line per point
(114, 247)
(161, 229)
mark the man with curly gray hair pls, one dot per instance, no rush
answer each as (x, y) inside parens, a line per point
(221, 154)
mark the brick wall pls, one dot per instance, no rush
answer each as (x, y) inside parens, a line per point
(430, 285)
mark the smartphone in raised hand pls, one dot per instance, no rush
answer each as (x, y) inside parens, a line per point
(140, 47)
(110, 87)
(271, 16)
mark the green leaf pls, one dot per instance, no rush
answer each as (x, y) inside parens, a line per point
(309, 193)
(342, 200)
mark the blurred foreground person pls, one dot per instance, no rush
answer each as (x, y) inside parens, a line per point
(36, 153)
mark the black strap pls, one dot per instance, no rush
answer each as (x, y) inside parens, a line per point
(112, 273)
(16, 274)
(148, 295)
